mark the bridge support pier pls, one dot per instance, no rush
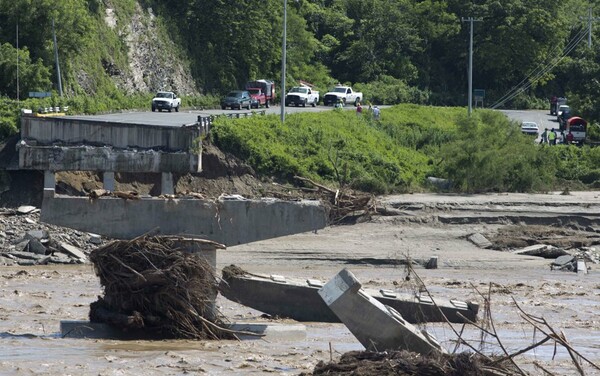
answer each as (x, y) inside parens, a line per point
(49, 183)
(166, 184)
(108, 180)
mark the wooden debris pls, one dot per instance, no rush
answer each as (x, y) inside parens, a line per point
(128, 195)
(153, 286)
(97, 193)
(344, 205)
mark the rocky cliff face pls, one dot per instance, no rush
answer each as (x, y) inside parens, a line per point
(154, 62)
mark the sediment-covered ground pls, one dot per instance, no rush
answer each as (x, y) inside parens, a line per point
(33, 299)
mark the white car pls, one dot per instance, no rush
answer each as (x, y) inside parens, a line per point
(166, 100)
(530, 127)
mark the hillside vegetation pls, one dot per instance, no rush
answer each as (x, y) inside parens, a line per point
(484, 153)
(394, 50)
(114, 54)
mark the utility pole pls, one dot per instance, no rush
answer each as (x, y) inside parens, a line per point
(17, 62)
(283, 48)
(470, 95)
(590, 20)
(56, 60)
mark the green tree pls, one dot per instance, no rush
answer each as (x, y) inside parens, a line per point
(490, 154)
(33, 76)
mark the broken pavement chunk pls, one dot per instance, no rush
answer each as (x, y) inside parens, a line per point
(73, 251)
(27, 209)
(377, 327)
(567, 262)
(541, 250)
(479, 240)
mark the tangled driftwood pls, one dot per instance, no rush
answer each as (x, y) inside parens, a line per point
(151, 285)
(404, 363)
(343, 204)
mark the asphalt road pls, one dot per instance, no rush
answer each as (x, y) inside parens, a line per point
(541, 117)
(189, 116)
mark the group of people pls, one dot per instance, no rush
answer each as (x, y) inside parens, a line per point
(552, 137)
(371, 110)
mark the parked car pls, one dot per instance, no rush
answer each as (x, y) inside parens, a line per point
(578, 128)
(564, 113)
(556, 102)
(530, 128)
(266, 86)
(301, 96)
(342, 94)
(236, 100)
(258, 97)
(166, 100)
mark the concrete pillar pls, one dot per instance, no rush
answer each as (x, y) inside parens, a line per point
(108, 180)
(49, 180)
(166, 184)
(207, 250)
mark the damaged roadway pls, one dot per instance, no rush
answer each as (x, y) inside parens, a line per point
(35, 299)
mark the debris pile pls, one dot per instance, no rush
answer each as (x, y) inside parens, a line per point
(153, 287)
(405, 363)
(134, 195)
(344, 206)
(24, 240)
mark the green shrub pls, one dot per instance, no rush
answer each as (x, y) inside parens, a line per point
(490, 154)
(336, 147)
(390, 90)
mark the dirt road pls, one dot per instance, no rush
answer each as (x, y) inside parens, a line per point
(33, 300)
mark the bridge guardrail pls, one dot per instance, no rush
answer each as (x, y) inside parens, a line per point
(205, 122)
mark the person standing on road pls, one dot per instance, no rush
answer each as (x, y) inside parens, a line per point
(358, 109)
(552, 137)
(544, 140)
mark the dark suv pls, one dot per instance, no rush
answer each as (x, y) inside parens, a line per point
(237, 99)
(563, 117)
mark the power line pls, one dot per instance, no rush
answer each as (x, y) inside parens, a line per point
(539, 72)
(530, 79)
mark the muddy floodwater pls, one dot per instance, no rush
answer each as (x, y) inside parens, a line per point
(33, 300)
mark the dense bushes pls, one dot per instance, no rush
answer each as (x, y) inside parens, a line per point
(482, 153)
(334, 146)
(390, 90)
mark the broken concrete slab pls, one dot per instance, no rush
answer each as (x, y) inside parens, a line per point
(279, 296)
(227, 221)
(541, 250)
(26, 255)
(270, 331)
(37, 234)
(73, 251)
(479, 240)
(432, 263)
(264, 331)
(581, 267)
(27, 209)
(376, 326)
(95, 239)
(35, 246)
(566, 263)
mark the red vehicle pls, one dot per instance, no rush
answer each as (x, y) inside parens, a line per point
(556, 102)
(578, 128)
(265, 86)
(258, 97)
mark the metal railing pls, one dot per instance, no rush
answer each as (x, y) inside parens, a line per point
(205, 122)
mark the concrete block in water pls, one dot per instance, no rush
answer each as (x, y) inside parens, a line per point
(378, 327)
